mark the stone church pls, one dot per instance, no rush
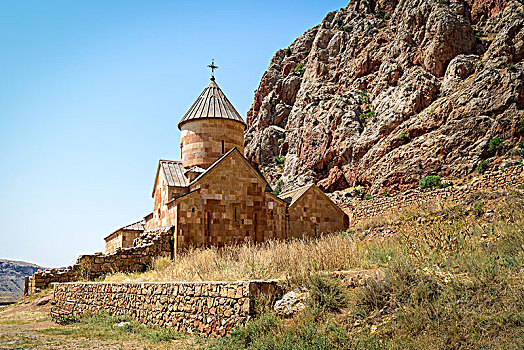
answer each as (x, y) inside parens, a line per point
(215, 196)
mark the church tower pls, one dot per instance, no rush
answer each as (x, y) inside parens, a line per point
(210, 128)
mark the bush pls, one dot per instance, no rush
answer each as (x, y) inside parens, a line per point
(279, 160)
(495, 144)
(482, 166)
(326, 293)
(299, 69)
(288, 52)
(520, 126)
(367, 197)
(278, 188)
(430, 181)
(403, 135)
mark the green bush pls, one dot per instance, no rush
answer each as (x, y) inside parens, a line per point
(403, 135)
(299, 69)
(430, 181)
(279, 160)
(495, 144)
(482, 166)
(278, 188)
(520, 126)
(288, 52)
(367, 197)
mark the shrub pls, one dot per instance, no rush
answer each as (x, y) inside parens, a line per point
(288, 52)
(403, 135)
(299, 69)
(367, 197)
(278, 188)
(364, 96)
(430, 182)
(364, 117)
(482, 166)
(327, 293)
(478, 209)
(520, 126)
(495, 144)
(279, 160)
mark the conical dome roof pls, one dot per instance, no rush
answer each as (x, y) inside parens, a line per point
(212, 103)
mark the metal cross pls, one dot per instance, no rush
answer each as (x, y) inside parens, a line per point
(213, 67)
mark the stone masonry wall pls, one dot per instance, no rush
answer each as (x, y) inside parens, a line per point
(313, 215)
(500, 180)
(207, 308)
(89, 267)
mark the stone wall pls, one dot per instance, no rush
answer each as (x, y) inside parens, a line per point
(88, 267)
(121, 239)
(201, 140)
(313, 214)
(229, 205)
(500, 180)
(207, 308)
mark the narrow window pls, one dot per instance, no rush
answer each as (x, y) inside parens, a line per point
(193, 209)
(223, 147)
(235, 215)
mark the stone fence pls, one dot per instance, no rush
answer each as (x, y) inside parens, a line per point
(501, 180)
(90, 267)
(206, 308)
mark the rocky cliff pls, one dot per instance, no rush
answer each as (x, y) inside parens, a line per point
(383, 93)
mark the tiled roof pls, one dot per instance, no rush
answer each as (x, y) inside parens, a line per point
(135, 226)
(174, 172)
(292, 196)
(212, 103)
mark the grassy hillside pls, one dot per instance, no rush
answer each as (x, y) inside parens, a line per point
(451, 277)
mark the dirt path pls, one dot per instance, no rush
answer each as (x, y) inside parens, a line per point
(24, 326)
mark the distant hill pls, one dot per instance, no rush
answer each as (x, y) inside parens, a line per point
(12, 275)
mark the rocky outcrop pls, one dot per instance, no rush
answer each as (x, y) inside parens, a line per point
(383, 93)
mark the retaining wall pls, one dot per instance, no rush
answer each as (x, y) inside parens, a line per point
(359, 209)
(89, 267)
(207, 308)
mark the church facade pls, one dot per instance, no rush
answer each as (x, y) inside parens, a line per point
(214, 196)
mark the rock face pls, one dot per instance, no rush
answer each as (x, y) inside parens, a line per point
(383, 93)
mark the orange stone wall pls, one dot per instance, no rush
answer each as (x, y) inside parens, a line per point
(206, 217)
(161, 196)
(314, 214)
(114, 242)
(121, 239)
(201, 140)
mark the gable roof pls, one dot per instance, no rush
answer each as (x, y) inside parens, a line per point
(225, 156)
(174, 173)
(135, 226)
(212, 103)
(292, 196)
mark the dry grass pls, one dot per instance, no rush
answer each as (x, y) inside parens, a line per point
(294, 260)
(453, 278)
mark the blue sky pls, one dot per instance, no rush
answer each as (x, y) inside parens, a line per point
(90, 96)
